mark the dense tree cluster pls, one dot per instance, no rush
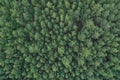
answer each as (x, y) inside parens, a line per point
(59, 39)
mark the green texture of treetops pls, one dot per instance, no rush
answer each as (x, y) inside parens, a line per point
(59, 39)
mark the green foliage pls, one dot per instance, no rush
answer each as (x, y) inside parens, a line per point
(61, 50)
(59, 40)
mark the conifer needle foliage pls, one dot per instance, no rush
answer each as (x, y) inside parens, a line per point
(59, 39)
